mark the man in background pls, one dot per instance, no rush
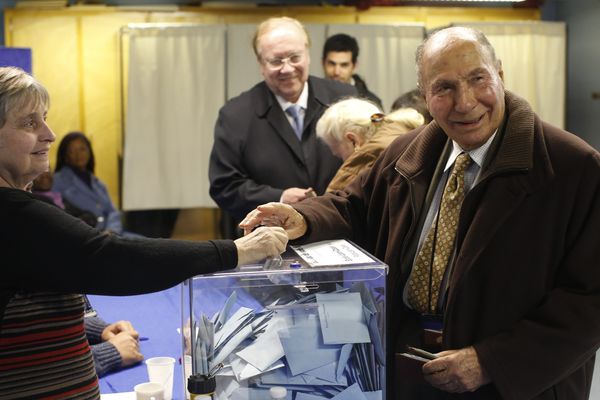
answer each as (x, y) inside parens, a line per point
(265, 146)
(340, 60)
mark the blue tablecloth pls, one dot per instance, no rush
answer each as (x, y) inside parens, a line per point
(156, 316)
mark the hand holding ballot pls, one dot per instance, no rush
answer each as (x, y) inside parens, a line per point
(456, 371)
(261, 243)
(275, 214)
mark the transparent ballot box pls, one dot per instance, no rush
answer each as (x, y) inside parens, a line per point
(306, 326)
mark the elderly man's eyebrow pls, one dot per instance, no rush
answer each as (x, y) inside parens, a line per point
(479, 70)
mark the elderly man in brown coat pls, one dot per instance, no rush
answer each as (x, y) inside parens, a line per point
(488, 218)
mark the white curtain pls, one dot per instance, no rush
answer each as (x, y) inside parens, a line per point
(533, 57)
(387, 57)
(176, 85)
(243, 70)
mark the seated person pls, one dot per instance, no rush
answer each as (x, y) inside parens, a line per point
(42, 189)
(356, 131)
(74, 179)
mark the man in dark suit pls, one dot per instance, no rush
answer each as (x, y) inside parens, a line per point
(504, 209)
(261, 151)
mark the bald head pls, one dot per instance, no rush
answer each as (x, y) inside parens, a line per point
(444, 38)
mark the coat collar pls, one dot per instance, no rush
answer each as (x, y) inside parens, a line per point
(512, 152)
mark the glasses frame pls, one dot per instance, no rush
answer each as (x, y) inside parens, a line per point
(283, 60)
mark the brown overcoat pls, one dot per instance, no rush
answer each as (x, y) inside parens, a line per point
(525, 288)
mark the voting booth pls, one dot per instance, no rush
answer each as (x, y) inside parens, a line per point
(311, 322)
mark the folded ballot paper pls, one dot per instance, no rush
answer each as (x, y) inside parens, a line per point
(324, 345)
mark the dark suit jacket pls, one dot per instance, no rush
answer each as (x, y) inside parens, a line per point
(256, 154)
(525, 286)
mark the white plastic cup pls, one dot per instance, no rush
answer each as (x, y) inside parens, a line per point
(160, 370)
(149, 391)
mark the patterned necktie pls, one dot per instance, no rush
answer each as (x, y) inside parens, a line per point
(294, 112)
(420, 283)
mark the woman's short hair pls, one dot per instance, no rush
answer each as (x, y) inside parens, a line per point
(347, 115)
(61, 154)
(19, 89)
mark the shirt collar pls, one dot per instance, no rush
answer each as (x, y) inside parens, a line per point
(302, 100)
(477, 155)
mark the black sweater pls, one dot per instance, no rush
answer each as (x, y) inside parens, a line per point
(48, 257)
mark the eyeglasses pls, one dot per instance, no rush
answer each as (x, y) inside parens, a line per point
(277, 62)
(377, 118)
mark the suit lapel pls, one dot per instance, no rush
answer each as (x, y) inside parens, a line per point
(316, 103)
(269, 109)
(418, 164)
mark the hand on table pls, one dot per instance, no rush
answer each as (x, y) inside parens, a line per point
(128, 347)
(115, 328)
(456, 371)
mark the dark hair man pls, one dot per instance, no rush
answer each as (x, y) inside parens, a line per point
(340, 60)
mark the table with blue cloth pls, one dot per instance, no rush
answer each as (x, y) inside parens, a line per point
(157, 317)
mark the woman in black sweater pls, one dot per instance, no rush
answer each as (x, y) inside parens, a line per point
(49, 257)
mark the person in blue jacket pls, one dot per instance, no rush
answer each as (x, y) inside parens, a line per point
(75, 180)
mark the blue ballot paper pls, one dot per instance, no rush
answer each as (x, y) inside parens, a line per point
(304, 349)
(342, 318)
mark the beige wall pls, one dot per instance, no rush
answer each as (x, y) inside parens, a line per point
(76, 55)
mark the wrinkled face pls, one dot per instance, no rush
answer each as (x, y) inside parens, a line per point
(25, 141)
(463, 90)
(338, 66)
(77, 154)
(284, 61)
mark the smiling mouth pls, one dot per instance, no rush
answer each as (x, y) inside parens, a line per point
(469, 122)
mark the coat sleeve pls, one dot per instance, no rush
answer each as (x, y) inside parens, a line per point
(53, 251)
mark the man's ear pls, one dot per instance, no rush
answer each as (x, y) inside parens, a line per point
(500, 70)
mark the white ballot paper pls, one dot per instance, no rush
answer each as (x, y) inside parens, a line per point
(332, 252)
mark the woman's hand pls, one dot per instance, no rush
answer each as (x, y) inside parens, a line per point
(261, 243)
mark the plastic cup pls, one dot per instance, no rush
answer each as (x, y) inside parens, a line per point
(149, 391)
(160, 370)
